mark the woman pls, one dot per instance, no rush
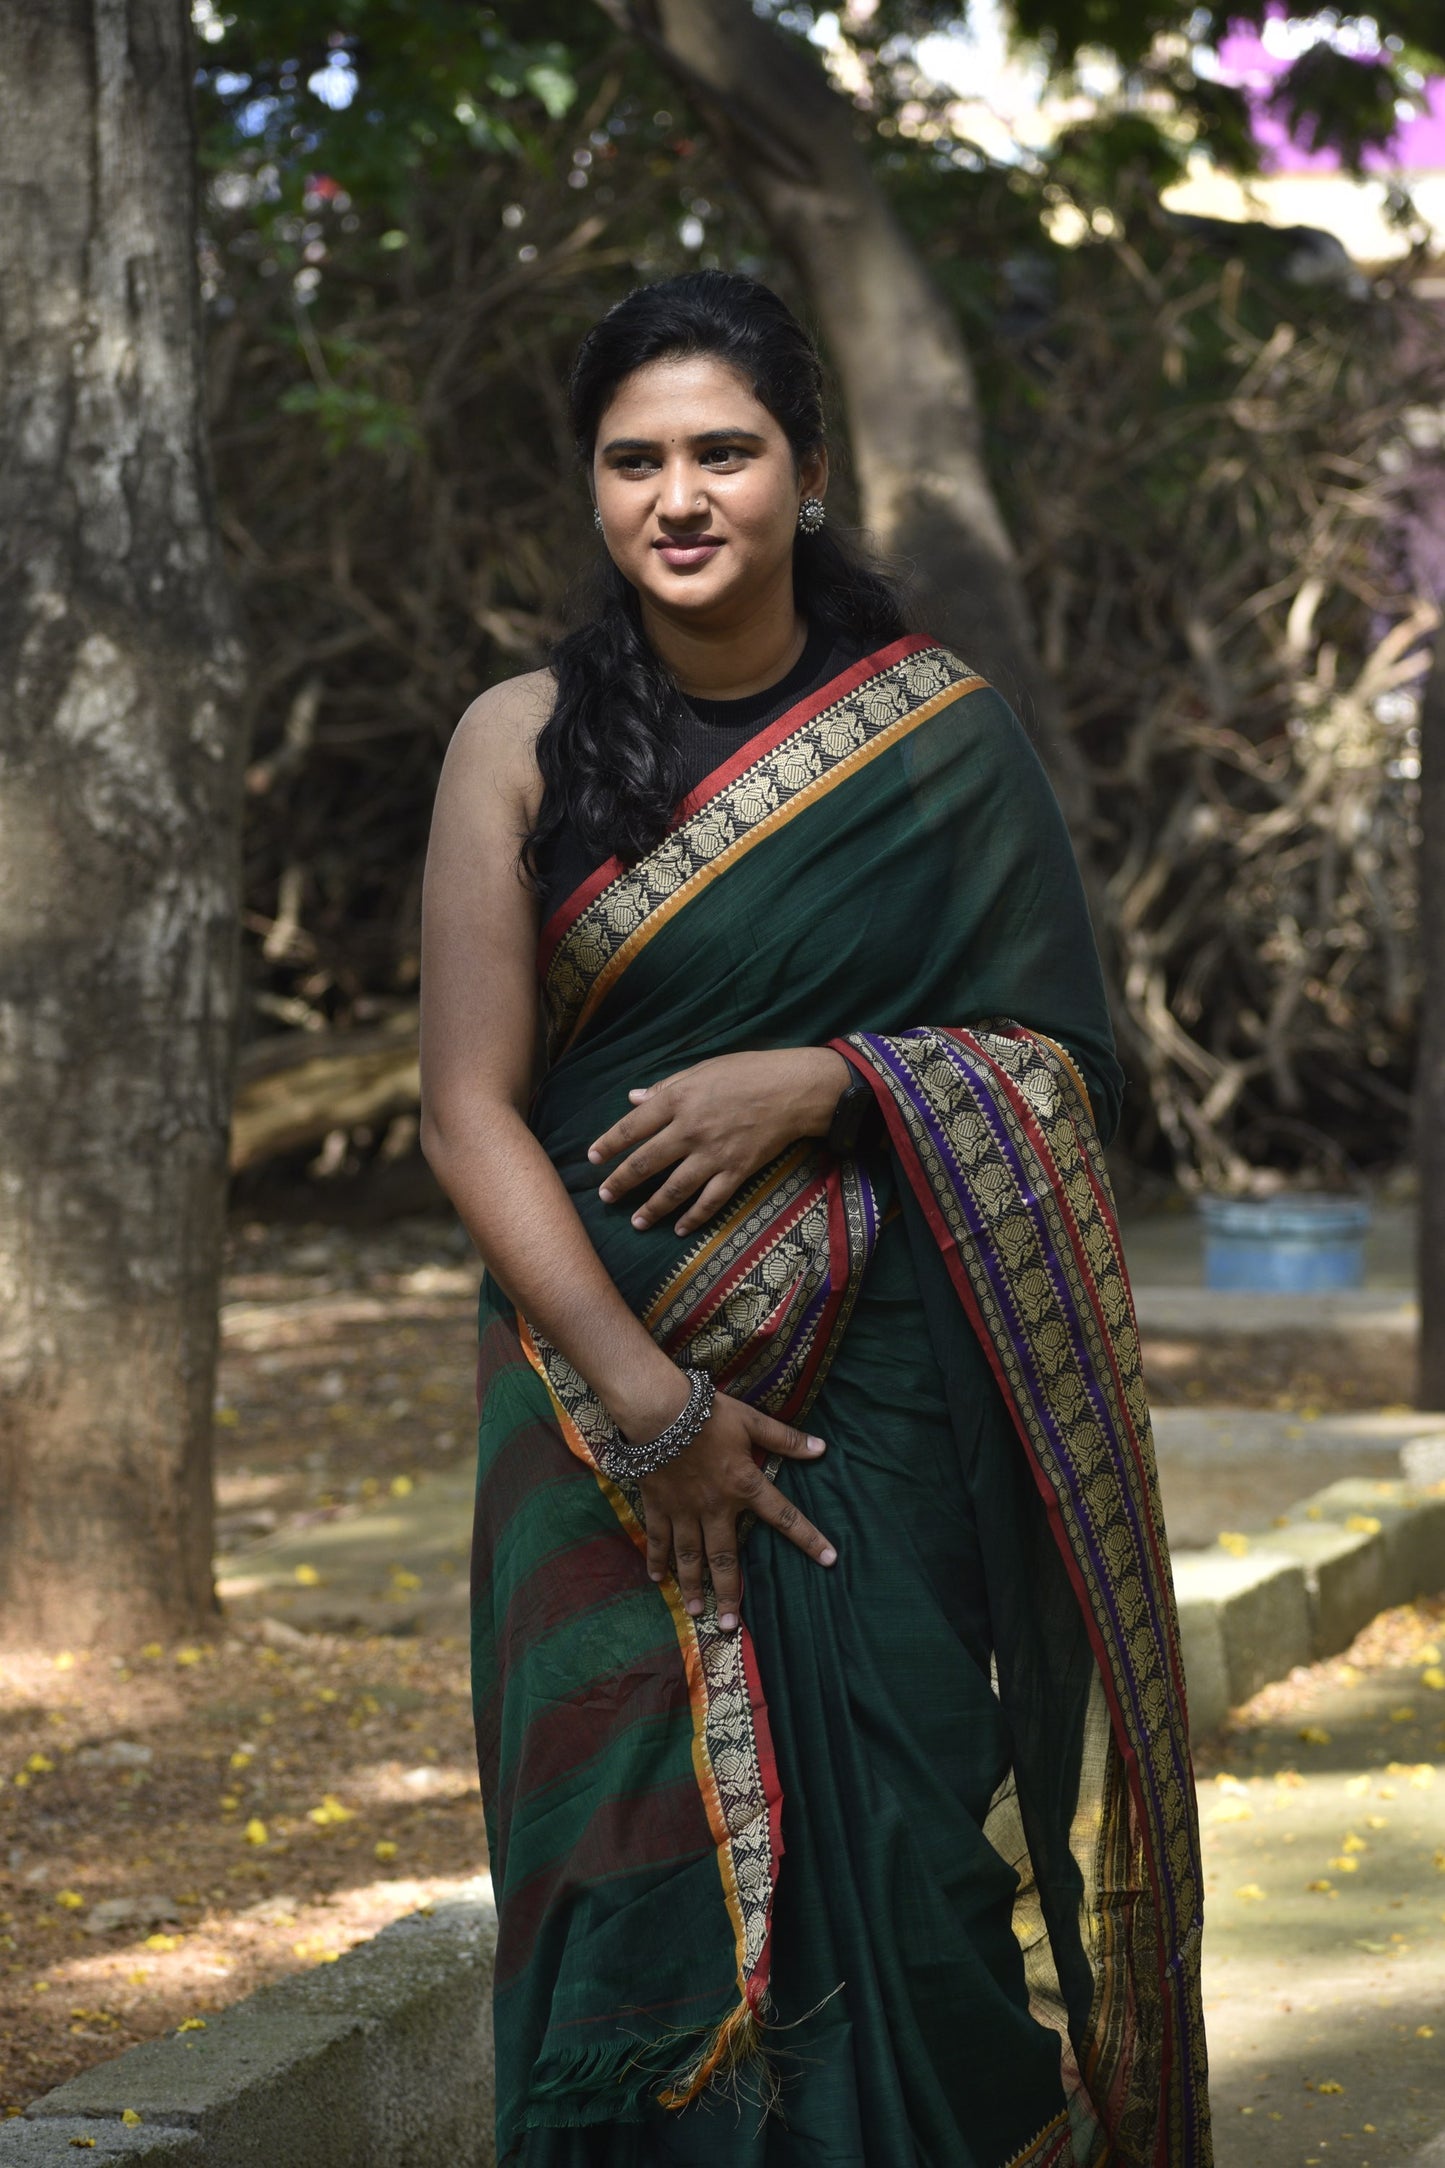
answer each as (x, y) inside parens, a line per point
(836, 1777)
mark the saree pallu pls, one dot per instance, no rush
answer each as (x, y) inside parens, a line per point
(904, 1874)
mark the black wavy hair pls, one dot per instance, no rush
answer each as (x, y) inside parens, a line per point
(608, 754)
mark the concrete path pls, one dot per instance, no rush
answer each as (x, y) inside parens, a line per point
(1324, 1848)
(1231, 1468)
(400, 1564)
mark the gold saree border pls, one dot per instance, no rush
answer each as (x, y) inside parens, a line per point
(994, 1134)
(803, 766)
(732, 1755)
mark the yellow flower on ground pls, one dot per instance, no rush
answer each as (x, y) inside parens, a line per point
(71, 1899)
(1434, 1678)
(1329, 2085)
(255, 1831)
(83, 2142)
(1250, 1893)
(1314, 1735)
(191, 2024)
(40, 1765)
(163, 1942)
(385, 1851)
(402, 1582)
(189, 1655)
(1363, 1524)
(65, 1661)
(1345, 1864)
(129, 2117)
(1230, 1540)
(308, 1577)
(153, 1650)
(1325, 1889)
(402, 1486)
(329, 1812)
(1353, 1843)
(240, 1759)
(1424, 2032)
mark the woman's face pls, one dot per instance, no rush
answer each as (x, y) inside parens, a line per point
(697, 489)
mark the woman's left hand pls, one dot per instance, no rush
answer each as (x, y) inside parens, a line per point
(715, 1124)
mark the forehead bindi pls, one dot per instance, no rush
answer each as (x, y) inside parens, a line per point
(688, 401)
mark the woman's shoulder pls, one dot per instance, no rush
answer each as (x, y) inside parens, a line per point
(511, 711)
(493, 749)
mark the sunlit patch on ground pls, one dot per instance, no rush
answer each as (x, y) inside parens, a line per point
(1323, 1820)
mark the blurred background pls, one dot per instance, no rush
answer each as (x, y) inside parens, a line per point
(1203, 314)
(1133, 313)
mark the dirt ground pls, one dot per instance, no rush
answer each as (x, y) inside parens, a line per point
(253, 1802)
(181, 1824)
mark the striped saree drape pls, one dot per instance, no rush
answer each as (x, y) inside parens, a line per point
(907, 1870)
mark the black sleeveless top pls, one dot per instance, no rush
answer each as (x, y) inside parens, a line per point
(709, 731)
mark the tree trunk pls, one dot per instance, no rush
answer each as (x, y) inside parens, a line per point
(120, 792)
(1430, 1076)
(908, 386)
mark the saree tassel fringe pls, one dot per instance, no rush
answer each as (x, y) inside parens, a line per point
(595, 2082)
(737, 2042)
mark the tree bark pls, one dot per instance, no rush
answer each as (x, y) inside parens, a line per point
(120, 793)
(908, 386)
(1430, 1074)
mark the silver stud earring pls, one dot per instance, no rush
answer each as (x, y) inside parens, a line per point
(597, 519)
(811, 514)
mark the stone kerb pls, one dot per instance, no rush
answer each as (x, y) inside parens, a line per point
(1262, 1608)
(1345, 1576)
(1303, 1588)
(1411, 1523)
(382, 2060)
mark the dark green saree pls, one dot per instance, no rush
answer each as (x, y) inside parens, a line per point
(905, 1875)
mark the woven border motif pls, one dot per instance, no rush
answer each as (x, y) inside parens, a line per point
(759, 1281)
(995, 1134)
(728, 1751)
(754, 1302)
(819, 754)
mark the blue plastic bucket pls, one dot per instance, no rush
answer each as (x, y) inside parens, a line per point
(1284, 1245)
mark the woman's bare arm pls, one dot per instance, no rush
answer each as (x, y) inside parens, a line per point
(479, 1021)
(479, 1036)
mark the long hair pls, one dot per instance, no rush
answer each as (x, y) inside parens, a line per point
(608, 754)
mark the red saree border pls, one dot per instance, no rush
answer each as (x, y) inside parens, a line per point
(1135, 1666)
(772, 790)
(763, 742)
(701, 1646)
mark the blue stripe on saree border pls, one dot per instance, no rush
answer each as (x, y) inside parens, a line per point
(1000, 1132)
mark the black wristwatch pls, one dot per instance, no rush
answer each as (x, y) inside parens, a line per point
(854, 1102)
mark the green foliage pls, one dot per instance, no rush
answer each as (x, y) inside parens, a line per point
(436, 82)
(1176, 430)
(353, 418)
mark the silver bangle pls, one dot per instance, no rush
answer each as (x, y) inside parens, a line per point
(645, 1458)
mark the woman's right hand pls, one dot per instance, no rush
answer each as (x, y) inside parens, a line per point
(692, 1505)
